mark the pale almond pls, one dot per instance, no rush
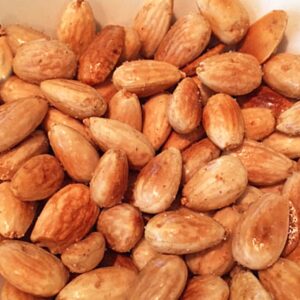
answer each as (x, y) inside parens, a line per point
(288, 121)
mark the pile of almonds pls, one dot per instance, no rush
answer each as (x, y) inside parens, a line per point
(129, 171)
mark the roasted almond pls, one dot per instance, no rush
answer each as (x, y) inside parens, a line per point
(125, 262)
(291, 189)
(6, 57)
(106, 89)
(205, 91)
(288, 121)
(132, 45)
(295, 255)
(275, 188)
(251, 195)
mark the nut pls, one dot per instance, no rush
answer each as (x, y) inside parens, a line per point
(6, 58)
(132, 45)
(288, 121)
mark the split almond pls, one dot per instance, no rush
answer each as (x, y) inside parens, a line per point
(132, 45)
(289, 121)
(6, 57)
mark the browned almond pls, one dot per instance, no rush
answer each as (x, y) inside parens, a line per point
(12, 160)
(74, 98)
(125, 107)
(288, 121)
(223, 121)
(56, 227)
(275, 188)
(282, 280)
(225, 176)
(205, 91)
(122, 227)
(77, 27)
(185, 110)
(106, 90)
(158, 182)
(31, 269)
(125, 262)
(77, 155)
(263, 164)
(251, 195)
(261, 233)
(291, 189)
(206, 287)
(177, 232)
(40, 60)
(186, 40)
(164, 277)
(18, 119)
(115, 134)
(156, 126)
(146, 77)
(16, 216)
(232, 73)
(295, 255)
(132, 45)
(152, 23)
(265, 35)
(259, 123)
(109, 182)
(6, 57)
(105, 51)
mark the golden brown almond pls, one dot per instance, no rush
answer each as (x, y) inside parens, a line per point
(106, 90)
(288, 121)
(223, 121)
(77, 155)
(176, 232)
(291, 189)
(125, 262)
(251, 195)
(281, 280)
(125, 107)
(230, 29)
(122, 227)
(74, 98)
(156, 126)
(275, 188)
(105, 51)
(18, 119)
(232, 73)
(77, 26)
(132, 45)
(261, 233)
(216, 185)
(259, 122)
(56, 227)
(146, 77)
(185, 110)
(164, 277)
(198, 155)
(15, 88)
(158, 182)
(12, 160)
(84, 255)
(115, 134)
(18, 34)
(186, 40)
(107, 283)
(206, 287)
(110, 178)
(245, 284)
(40, 60)
(6, 57)
(16, 216)
(263, 164)
(152, 23)
(31, 269)
(295, 255)
(265, 35)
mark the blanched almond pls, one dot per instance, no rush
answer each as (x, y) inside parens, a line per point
(261, 233)
(217, 184)
(177, 232)
(132, 45)
(6, 57)
(223, 121)
(106, 89)
(251, 195)
(289, 121)
(56, 227)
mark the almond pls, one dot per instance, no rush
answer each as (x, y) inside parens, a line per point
(152, 23)
(158, 182)
(232, 73)
(132, 45)
(125, 262)
(114, 134)
(77, 27)
(164, 277)
(205, 91)
(106, 90)
(109, 182)
(74, 98)
(105, 51)
(224, 176)
(31, 269)
(76, 154)
(295, 255)
(125, 107)
(291, 189)
(186, 40)
(146, 77)
(122, 227)
(40, 60)
(6, 57)
(288, 121)
(177, 232)
(261, 233)
(18, 119)
(275, 189)
(251, 195)
(223, 121)
(56, 228)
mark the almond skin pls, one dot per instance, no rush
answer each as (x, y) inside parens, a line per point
(56, 228)
(106, 89)
(124, 261)
(291, 189)
(288, 121)
(6, 58)
(105, 51)
(223, 121)
(132, 45)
